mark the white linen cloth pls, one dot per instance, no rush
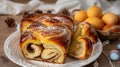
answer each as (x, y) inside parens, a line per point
(14, 8)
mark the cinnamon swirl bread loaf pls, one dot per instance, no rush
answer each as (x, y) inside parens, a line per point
(82, 41)
(46, 37)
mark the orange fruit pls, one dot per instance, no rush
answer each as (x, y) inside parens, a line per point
(110, 18)
(96, 22)
(80, 16)
(106, 27)
(94, 11)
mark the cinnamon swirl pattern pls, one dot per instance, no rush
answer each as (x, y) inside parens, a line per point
(82, 41)
(46, 37)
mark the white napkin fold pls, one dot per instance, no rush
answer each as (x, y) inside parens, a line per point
(14, 8)
(9, 7)
(67, 4)
(115, 8)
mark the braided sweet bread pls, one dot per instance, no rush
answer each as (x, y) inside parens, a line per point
(82, 40)
(46, 37)
(85, 29)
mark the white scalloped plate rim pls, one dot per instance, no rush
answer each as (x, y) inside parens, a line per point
(14, 54)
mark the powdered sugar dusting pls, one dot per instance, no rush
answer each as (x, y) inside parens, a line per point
(52, 26)
(52, 31)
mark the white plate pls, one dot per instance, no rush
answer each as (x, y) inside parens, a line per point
(13, 52)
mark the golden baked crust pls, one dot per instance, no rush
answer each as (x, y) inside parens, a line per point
(85, 29)
(81, 48)
(46, 37)
(82, 40)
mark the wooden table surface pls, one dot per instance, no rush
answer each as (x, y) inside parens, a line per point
(6, 31)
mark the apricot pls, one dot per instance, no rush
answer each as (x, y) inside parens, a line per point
(96, 22)
(94, 11)
(80, 16)
(106, 27)
(110, 18)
